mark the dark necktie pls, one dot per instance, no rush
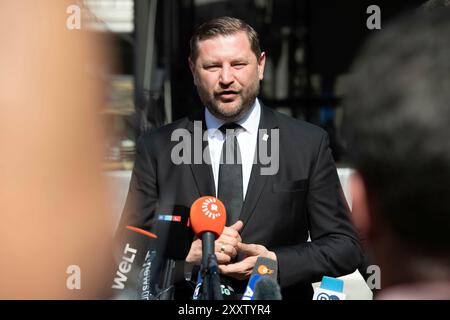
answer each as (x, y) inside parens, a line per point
(230, 174)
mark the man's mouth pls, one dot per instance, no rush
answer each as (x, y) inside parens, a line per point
(227, 94)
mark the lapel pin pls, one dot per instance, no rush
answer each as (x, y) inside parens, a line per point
(265, 137)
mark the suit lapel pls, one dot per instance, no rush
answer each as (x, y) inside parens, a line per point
(257, 180)
(201, 170)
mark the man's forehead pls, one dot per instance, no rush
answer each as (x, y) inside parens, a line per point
(236, 45)
(236, 36)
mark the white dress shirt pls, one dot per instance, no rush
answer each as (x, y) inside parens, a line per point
(246, 137)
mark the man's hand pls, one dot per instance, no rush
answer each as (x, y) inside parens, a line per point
(225, 247)
(243, 269)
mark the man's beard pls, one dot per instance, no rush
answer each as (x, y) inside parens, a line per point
(215, 106)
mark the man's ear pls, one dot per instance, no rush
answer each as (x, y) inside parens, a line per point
(360, 206)
(192, 67)
(261, 65)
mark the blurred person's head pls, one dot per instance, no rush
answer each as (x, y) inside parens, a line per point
(227, 65)
(52, 199)
(435, 4)
(397, 111)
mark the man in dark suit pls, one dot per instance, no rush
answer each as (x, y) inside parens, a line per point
(273, 202)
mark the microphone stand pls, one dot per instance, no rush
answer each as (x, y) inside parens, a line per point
(210, 270)
(167, 281)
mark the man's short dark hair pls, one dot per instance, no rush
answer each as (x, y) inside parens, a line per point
(435, 4)
(223, 26)
(397, 125)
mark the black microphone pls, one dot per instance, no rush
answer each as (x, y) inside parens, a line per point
(129, 255)
(264, 268)
(227, 290)
(174, 234)
(149, 277)
(173, 244)
(267, 289)
(146, 259)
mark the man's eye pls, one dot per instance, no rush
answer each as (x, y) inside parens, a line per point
(212, 67)
(239, 65)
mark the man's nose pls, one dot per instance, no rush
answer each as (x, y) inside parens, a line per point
(226, 76)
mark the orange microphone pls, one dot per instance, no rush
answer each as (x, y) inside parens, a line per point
(207, 218)
(208, 214)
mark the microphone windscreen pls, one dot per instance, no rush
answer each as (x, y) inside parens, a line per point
(267, 289)
(208, 215)
(129, 254)
(264, 268)
(174, 234)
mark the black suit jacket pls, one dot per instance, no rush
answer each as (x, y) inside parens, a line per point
(279, 211)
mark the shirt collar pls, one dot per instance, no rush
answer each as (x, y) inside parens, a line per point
(250, 122)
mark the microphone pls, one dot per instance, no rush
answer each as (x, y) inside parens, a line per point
(174, 238)
(226, 289)
(330, 289)
(146, 260)
(264, 268)
(267, 289)
(148, 287)
(198, 286)
(207, 218)
(174, 234)
(129, 258)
